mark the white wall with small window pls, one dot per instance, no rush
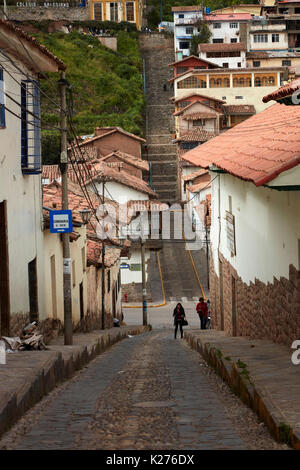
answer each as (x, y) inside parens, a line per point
(184, 28)
(269, 40)
(224, 31)
(20, 183)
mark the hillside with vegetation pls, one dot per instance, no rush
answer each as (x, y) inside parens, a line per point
(153, 14)
(106, 86)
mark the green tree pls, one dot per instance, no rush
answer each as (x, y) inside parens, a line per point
(202, 37)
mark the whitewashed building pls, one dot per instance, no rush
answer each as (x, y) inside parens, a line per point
(185, 19)
(255, 231)
(22, 60)
(226, 28)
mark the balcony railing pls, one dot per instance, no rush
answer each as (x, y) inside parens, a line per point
(188, 21)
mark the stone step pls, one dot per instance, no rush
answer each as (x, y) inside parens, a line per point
(162, 158)
(157, 179)
(161, 139)
(167, 149)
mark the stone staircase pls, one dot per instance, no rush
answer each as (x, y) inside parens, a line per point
(158, 51)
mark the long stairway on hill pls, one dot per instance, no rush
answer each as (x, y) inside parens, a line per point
(158, 51)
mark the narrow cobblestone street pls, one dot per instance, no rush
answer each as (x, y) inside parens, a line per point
(147, 392)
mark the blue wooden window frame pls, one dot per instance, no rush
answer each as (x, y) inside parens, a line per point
(2, 109)
(30, 128)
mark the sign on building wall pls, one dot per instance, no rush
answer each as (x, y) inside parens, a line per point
(230, 230)
(61, 221)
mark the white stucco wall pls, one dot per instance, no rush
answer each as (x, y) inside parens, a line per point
(53, 246)
(282, 44)
(180, 25)
(24, 202)
(119, 192)
(128, 276)
(224, 32)
(232, 61)
(267, 230)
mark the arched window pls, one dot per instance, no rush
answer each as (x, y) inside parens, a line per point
(226, 83)
(271, 81)
(265, 81)
(235, 82)
(257, 81)
(241, 81)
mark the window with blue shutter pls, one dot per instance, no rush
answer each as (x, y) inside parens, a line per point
(2, 109)
(30, 127)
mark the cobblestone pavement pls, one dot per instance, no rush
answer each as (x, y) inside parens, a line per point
(147, 392)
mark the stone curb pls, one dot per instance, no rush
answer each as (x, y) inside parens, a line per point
(240, 383)
(61, 363)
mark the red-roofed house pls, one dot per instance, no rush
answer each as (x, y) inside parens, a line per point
(229, 55)
(112, 139)
(255, 231)
(190, 63)
(226, 28)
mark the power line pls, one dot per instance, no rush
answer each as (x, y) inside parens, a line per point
(28, 112)
(25, 74)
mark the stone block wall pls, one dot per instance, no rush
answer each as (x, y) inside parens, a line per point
(42, 13)
(263, 310)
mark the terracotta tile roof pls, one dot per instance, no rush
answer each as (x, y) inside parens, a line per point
(283, 92)
(196, 116)
(188, 106)
(96, 170)
(188, 8)
(11, 28)
(111, 131)
(190, 95)
(94, 254)
(256, 150)
(201, 60)
(99, 171)
(196, 135)
(199, 186)
(125, 157)
(232, 109)
(222, 47)
(228, 17)
(194, 175)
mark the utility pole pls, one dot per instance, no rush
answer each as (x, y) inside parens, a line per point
(103, 265)
(5, 10)
(144, 282)
(68, 327)
(161, 11)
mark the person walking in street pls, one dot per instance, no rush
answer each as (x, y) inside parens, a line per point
(202, 311)
(179, 317)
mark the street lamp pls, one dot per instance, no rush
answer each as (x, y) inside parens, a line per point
(85, 215)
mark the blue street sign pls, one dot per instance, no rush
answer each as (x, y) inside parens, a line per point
(61, 221)
(124, 266)
(207, 10)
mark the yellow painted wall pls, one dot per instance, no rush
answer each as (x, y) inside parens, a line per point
(53, 246)
(105, 6)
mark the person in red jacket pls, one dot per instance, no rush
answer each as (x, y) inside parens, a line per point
(202, 311)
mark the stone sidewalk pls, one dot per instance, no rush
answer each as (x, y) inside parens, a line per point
(261, 373)
(29, 375)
